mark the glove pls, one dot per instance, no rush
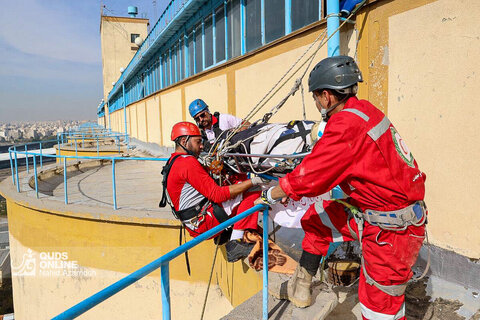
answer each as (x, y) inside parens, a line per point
(256, 181)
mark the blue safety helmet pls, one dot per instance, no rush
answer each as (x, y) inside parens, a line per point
(197, 106)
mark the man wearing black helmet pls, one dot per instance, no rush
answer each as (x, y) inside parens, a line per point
(362, 152)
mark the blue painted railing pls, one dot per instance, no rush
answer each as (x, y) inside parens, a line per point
(163, 261)
(163, 264)
(61, 143)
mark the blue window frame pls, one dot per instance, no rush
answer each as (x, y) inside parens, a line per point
(198, 48)
(233, 16)
(253, 24)
(274, 19)
(219, 31)
(304, 12)
(220, 34)
(208, 41)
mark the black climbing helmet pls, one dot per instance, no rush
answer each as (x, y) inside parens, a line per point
(335, 73)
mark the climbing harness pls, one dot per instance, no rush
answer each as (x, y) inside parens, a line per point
(397, 220)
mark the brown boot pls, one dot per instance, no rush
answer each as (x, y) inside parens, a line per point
(297, 289)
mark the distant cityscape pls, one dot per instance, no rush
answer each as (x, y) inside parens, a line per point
(31, 131)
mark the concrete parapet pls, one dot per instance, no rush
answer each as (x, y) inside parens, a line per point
(61, 254)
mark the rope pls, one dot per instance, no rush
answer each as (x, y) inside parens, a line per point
(296, 86)
(209, 281)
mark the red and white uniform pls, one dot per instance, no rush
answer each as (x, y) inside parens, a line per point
(362, 152)
(189, 183)
(227, 121)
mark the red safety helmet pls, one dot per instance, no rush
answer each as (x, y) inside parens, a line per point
(184, 129)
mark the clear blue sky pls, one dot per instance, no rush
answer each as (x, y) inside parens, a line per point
(50, 61)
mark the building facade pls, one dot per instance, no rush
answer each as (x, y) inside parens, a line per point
(230, 53)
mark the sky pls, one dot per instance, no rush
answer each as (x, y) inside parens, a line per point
(50, 58)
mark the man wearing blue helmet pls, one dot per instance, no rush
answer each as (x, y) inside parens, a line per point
(212, 124)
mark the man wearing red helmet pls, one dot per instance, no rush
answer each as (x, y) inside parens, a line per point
(197, 200)
(362, 152)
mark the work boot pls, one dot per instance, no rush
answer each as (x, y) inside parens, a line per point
(238, 249)
(297, 289)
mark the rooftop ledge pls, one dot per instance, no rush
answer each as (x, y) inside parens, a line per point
(90, 196)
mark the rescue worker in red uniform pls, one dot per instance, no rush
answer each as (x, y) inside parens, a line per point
(197, 200)
(362, 152)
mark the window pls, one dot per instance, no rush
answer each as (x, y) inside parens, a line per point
(169, 67)
(198, 49)
(220, 34)
(173, 51)
(133, 36)
(253, 24)
(191, 54)
(304, 12)
(233, 13)
(208, 42)
(274, 19)
(181, 59)
(165, 70)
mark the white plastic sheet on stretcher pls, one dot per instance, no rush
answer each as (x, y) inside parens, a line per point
(250, 151)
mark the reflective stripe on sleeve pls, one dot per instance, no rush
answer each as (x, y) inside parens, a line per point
(336, 235)
(377, 131)
(372, 315)
(358, 113)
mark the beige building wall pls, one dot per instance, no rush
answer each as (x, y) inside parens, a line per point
(213, 91)
(154, 129)
(171, 113)
(418, 60)
(434, 69)
(117, 48)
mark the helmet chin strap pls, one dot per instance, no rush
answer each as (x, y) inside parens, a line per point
(324, 112)
(186, 150)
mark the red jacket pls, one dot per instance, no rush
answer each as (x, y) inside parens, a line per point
(189, 183)
(362, 152)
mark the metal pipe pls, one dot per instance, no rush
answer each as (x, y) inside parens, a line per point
(243, 27)
(333, 22)
(121, 284)
(114, 186)
(65, 189)
(262, 21)
(165, 287)
(16, 168)
(76, 148)
(288, 16)
(11, 165)
(265, 264)
(283, 156)
(41, 158)
(26, 158)
(35, 175)
(124, 108)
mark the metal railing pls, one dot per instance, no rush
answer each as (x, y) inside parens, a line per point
(64, 140)
(163, 261)
(163, 264)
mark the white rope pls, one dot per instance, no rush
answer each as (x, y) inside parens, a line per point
(295, 87)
